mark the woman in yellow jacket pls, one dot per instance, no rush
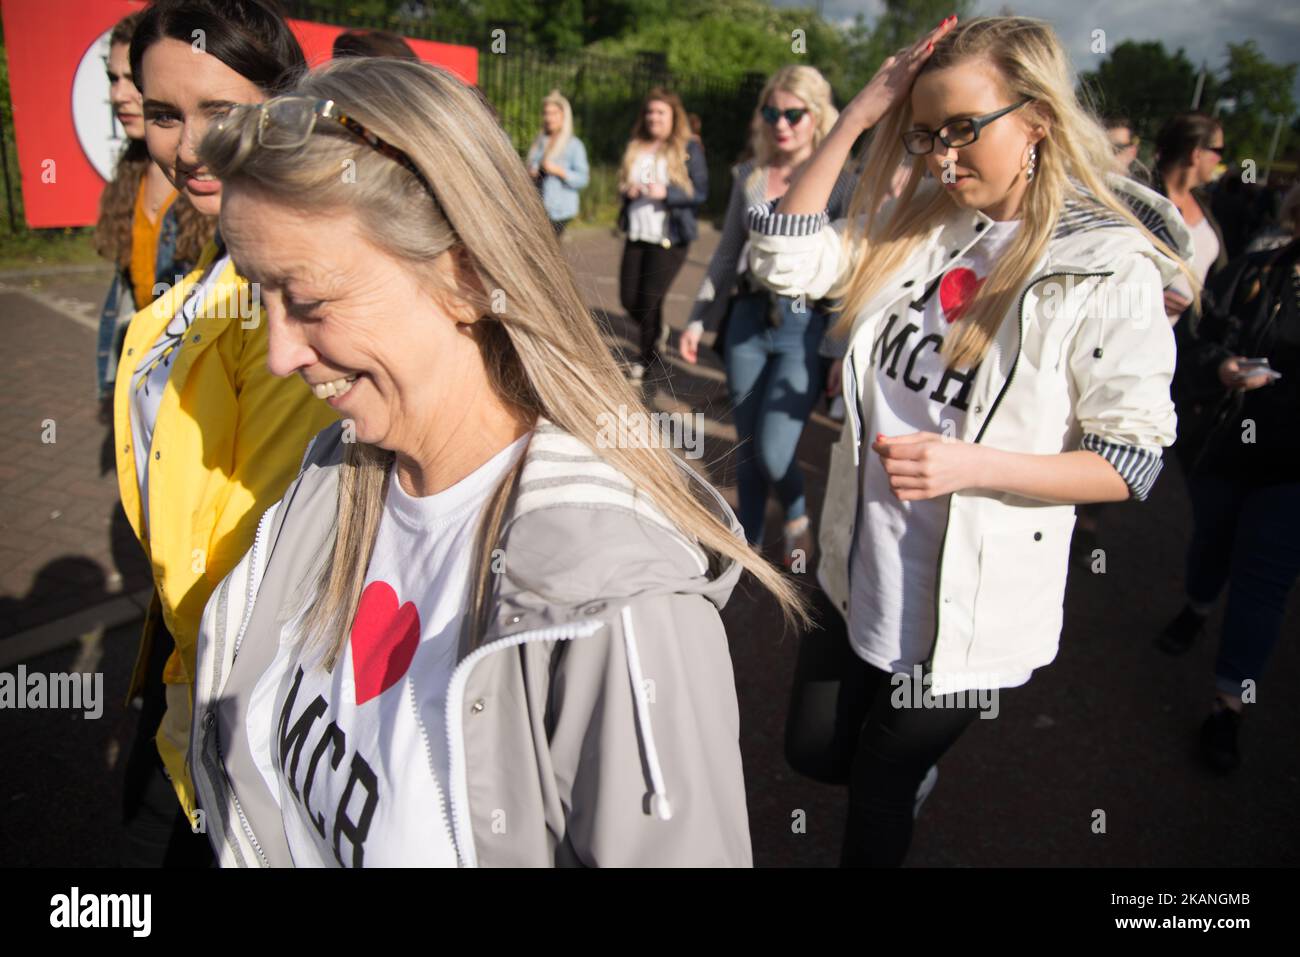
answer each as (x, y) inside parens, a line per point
(206, 437)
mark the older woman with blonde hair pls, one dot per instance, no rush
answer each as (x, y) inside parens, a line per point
(482, 627)
(769, 343)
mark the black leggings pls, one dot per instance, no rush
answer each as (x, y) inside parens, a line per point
(843, 729)
(644, 276)
(156, 832)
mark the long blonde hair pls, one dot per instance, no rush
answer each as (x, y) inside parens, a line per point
(809, 85)
(543, 351)
(674, 149)
(1074, 155)
(561, 139)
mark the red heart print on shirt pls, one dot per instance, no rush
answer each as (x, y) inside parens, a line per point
(956, 290)
(384, 639)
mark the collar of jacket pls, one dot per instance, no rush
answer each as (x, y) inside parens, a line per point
(577, 540)
(1087, 239)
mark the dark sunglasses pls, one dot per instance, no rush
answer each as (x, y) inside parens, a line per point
(957, 133)
(287, 122)
(771, 115)
(1222, 151)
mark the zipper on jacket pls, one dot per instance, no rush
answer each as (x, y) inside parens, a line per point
(209, 733)
(443, 803)
(254, 579)
(457, 789)
(1015, 363)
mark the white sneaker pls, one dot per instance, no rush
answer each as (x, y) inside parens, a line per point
(923, 791)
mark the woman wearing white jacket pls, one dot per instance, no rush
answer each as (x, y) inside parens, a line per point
(1007, 358)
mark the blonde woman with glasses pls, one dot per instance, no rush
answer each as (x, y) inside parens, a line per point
(1007, 359)
(482, 627)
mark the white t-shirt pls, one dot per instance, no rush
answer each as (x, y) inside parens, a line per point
(1205, 250)
(151, 376)
(358, 758)
(895, 555)
(647, 219)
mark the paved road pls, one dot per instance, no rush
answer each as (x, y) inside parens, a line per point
(1109, 726)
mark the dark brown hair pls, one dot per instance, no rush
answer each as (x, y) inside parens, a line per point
(372, 43)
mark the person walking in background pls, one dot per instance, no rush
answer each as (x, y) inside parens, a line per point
(1125, 142)
(1240, 447)
(544, 558)
(360, 43)
(663, 180)
(557, 160)
(149, 233)
(206, 437)
(1188, 149)
(771, 343)
(979, 415)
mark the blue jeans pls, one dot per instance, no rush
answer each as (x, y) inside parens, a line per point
(774, 377)
(1247, 537)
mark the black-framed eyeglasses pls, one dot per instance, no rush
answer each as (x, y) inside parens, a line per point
(961, 132)
(286, 123)
(771, 115)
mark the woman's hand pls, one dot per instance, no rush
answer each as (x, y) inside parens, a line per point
(657, 191)
(1230, 376)
(892, 81)
(555, 169)
(1175, 304)
(534, 172)
(835, 378)
(926, 465)
(630, 190)
(688, 344)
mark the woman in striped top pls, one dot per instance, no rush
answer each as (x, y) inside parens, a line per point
(770, 343)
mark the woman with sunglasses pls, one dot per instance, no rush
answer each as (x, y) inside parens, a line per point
(1007, 358)
(206, 437)
(663, 180)
(1188, 150)
(482, 627)
(770, 344)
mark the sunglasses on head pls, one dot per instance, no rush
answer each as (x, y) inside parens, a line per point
(287, 122)
(772, 116)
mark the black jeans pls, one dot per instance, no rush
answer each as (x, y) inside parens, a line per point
(843, 728)
(1246, 537)
(646, 272)
(156, 832)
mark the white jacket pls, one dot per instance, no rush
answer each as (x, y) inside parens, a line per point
(1085, 362)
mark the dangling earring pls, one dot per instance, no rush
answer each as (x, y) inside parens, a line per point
(1033, 158)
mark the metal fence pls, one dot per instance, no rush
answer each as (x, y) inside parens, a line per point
(605, 92)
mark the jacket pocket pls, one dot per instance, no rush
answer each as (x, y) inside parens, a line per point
(1020, 595)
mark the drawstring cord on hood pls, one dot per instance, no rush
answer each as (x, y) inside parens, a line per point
(659, 798)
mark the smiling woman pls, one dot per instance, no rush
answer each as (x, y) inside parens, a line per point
(485, 588)
(206, 437)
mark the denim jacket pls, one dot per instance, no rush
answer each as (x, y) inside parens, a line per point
(119, 305)
(560, 196)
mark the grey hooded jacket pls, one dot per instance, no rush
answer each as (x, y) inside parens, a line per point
(596, 722)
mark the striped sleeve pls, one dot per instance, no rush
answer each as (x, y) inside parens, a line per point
(1138, 467)
(766, 221)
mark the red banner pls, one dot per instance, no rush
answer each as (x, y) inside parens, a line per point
(68, 139)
